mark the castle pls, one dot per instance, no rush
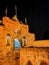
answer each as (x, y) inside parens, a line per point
(18, 45)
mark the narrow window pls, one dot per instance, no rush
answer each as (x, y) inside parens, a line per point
(8, 39)
(17, 44)
(24, 39)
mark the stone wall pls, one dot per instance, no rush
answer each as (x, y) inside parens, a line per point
(34, 55)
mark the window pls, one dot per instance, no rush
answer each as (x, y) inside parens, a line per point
(24, 39)
(8, 39)
(17, 44)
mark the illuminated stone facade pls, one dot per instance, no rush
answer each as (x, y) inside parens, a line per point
(18, 45)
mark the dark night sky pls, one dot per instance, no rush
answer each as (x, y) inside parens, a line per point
(36, 12)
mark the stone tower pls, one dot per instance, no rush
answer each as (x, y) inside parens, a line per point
(18, 45)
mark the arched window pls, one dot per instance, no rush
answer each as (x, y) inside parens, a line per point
(29, 62)
(17, 44)
(43, 63)
(8, 39)
(24, 40)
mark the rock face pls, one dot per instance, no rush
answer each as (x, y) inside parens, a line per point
(18, 45)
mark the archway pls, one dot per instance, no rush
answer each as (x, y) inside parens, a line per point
(29, 62)
(43, 63)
